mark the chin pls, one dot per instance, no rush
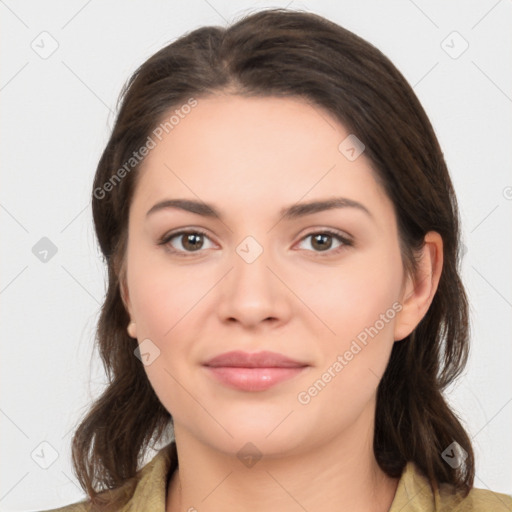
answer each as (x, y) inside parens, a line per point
(249, 446)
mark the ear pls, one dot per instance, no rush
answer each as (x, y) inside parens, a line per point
(125, 297)
(419, 290)
(123, 290)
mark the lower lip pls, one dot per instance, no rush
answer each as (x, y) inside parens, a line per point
(253, 379)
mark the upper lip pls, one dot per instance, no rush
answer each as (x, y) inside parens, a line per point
(264, 359)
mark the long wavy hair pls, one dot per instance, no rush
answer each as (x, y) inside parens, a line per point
(285, 53)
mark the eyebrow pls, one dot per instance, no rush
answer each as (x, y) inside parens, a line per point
(288, 213)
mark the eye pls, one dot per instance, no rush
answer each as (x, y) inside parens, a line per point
(190, 241)
(323, 241)
(186, 241)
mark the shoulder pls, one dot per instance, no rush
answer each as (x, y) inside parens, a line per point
(82, 506)
(415, 493)
(478, 500)
(145, 491)
(86, 505)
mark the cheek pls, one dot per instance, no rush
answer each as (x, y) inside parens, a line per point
(354, 295)
(164, 294)
(360, 304)
(164, 297)
(353, 364)
(166, 300)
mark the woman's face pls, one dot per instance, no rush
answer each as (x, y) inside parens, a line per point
(262, 280)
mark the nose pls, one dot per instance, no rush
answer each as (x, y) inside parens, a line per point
(252, 292)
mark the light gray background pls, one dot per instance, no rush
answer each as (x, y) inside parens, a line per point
(57, 113)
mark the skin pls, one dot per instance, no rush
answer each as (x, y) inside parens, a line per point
(250, 157)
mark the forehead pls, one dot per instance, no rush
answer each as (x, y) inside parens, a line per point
(252, 152)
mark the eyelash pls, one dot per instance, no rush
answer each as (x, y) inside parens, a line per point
(168, 237)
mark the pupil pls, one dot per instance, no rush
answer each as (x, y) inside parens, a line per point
(192, 239)
(322, 238)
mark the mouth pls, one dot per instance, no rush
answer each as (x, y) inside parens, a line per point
(252, 379)
(253, 372)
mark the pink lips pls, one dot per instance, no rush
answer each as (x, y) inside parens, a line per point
(253, 372)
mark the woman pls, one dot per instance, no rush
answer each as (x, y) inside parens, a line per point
(282, 242)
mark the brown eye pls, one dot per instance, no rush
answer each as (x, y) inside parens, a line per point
(192, 241)
(184, 242)
(322, 241)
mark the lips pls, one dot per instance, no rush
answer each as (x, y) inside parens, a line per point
(259, 371)
(263, 359)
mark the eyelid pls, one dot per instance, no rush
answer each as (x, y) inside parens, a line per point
(317, 230)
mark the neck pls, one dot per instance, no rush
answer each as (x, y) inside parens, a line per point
(336, 474)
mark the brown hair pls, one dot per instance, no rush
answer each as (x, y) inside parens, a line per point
(279, 52)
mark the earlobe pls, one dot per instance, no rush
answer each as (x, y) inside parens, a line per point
(421, 288)
(131, 329)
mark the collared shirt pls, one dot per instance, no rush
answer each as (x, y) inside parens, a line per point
(414, 492)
